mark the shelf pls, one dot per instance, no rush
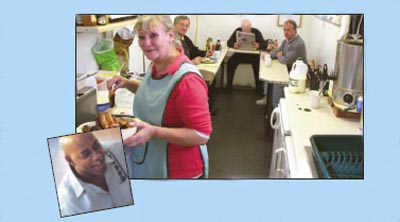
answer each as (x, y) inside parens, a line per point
(106, 28)
(329, 19)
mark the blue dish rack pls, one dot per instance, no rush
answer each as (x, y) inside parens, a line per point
(338, 156)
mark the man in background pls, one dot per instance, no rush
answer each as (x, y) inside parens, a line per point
(292, 48)
(95, 179)
(238, 58)
(181, 26)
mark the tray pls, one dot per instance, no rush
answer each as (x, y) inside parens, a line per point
(338, 156)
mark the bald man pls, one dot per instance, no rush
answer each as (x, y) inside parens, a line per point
(238, 58)
(95, 179)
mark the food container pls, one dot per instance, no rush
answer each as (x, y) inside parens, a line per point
(298, 77)
(338, 156)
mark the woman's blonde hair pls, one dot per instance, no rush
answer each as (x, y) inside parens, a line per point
(148, 22)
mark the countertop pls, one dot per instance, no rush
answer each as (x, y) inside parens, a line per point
(304, 124)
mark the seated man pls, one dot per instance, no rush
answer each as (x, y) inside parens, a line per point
(292, 47)
(95, 179)
(181, 26)
(237, 58)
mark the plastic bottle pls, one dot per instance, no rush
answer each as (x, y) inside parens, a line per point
(298, 77)
(359, 104)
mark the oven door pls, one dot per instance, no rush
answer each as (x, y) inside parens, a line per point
(279, 165)
(279, 162)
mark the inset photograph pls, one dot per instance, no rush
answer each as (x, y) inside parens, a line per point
(90, 172)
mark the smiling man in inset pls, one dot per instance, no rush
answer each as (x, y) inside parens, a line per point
(95, 179)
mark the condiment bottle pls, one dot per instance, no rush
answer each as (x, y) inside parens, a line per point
(218, 46)
(208, 44)
(111, 97)
(276, 43)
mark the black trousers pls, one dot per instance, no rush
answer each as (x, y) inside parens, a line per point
(238, 58)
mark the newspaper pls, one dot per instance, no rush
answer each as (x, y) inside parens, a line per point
(245, 39)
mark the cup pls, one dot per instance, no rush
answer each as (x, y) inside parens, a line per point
(101, 83)
(315, 99)
(267, 59)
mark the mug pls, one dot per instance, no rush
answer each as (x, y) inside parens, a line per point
(315, 99)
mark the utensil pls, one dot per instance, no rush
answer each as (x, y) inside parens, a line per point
(322, 87)
(84, 76)
(325, 71)
(313, 66)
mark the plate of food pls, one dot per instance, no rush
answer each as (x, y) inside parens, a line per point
(209, 60)
(105, 121)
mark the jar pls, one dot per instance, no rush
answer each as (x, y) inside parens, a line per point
(89, 20)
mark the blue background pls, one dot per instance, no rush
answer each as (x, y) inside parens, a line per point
(37, 102)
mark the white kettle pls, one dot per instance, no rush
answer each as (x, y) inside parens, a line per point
(298, 77)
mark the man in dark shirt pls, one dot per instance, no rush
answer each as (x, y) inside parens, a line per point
(181, 26)
(253, 59)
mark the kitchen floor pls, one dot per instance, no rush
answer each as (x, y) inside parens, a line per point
(238, 147)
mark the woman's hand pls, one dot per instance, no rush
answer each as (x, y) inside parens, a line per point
(117, 82)
(121, 82)
(144, 133)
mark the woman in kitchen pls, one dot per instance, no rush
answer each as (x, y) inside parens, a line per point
(172, 103)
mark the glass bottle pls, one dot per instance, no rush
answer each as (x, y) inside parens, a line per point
(218, 46)
(208, 44)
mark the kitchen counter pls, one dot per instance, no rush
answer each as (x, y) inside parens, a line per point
(304, 124)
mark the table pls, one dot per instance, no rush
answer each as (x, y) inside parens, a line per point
(209, 71)
(246, 51)
(275, 73)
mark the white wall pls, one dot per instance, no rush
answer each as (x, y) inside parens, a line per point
(222, 26)
(320, 38)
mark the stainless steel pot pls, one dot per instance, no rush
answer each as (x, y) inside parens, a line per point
(349, 72)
